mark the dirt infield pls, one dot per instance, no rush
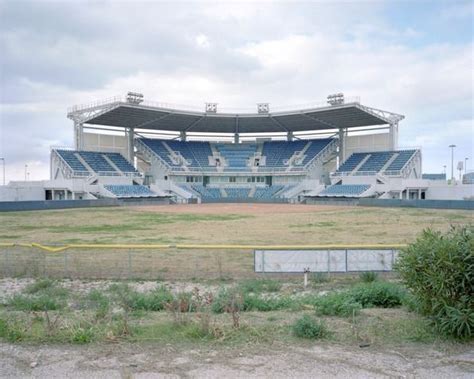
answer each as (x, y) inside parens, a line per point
(241, 208)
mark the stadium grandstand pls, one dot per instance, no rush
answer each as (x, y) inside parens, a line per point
(129, 148)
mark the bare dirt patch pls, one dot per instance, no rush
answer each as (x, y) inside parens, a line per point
(152, 361)
(237, 208)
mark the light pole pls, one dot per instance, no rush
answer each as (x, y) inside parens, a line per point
(26, 170)
(3, 161)
(452, 161)
(444, 169)
(465, 164)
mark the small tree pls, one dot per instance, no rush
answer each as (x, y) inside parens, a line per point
(439, 270)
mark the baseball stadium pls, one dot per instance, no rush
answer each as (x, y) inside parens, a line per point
(172, 231)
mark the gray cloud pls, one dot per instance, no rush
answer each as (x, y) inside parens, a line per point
(55, 54)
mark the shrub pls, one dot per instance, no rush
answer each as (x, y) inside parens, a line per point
(228, 299)
(129, 299)
(439, 271)
(39, 286)
(319, 277)
(378, 294)
(259, 303)
(309, 327)
(82, 335)
(260, 285)
(368, 277)
(337, 304)
(35, 303)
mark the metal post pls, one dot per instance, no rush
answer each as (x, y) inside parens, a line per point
(346, 260)
(66, 267)
(263, 261)
(129, 264)
(329, 263)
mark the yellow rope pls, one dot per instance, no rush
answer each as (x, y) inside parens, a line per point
(57, 249)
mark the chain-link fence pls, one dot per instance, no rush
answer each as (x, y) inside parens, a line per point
(169, 263)
(175, 262)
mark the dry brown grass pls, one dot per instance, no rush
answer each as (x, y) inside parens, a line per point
(227, 224)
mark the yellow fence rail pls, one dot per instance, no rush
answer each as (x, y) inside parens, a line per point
(60, 248)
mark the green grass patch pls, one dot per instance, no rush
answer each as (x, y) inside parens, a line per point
(309, 327)
(260, 285)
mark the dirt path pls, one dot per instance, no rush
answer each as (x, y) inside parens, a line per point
(158, 361)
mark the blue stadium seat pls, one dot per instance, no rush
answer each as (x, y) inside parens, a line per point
(237, 156)
(345, 190)
(123, 190)
(121, 163)
(70, 158)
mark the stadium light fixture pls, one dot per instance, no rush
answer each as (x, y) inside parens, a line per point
(263, 108)
(3, 161)
(452, 161)
(211, 108)
(336, 99)
(134, 98)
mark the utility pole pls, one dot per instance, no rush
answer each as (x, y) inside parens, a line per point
(26, 171)
(465, 164)
(452, 162)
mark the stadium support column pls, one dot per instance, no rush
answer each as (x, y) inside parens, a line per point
(183, 136)
(393, 135)
(342, 145)
(289, 136)
(78, 135)
(236, 138)
(130, 145)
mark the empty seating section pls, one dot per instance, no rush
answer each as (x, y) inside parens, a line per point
(121, 163)
(345, 190)
(237, 193)
(468, 178)
(237, 156)
(277, 152)
(96, 161)
(159, 149)
(314, 149)
(122, 190)
(70, 158)
(401, 160)
(266, 193)
(201, 152)
(352, 162)
(206, 192)
(434, 176)
(376, 161)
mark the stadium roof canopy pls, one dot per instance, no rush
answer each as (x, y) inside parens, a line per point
(121, 112)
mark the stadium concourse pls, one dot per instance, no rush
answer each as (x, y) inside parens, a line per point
(127, 148)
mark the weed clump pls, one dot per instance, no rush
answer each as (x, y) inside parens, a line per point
(368, 276)
(309, 327)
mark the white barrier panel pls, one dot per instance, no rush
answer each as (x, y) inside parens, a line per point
(350, 260)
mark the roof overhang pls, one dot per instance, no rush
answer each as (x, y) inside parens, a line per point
(147, 117)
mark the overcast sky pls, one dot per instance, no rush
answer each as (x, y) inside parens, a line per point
(413, 58)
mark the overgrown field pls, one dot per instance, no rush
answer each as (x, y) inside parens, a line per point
(359, 311)
(227, 224)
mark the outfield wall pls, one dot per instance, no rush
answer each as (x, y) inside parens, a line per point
(395, 203)
(10, 206)
(435, 204)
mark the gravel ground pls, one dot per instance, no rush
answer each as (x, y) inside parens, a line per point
(152, 361)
